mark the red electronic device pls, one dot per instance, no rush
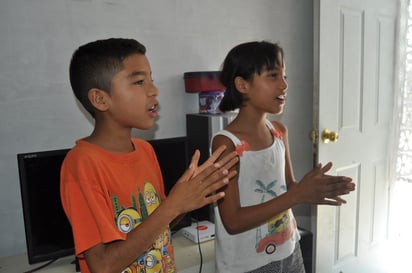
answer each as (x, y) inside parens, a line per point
(202, 81)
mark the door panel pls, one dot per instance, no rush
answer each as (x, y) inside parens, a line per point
(354, 81)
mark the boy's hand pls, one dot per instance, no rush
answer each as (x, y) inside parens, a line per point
(318, 188)
(211, 160)
(199, 185)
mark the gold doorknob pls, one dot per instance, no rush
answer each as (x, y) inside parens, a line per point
(328, 135)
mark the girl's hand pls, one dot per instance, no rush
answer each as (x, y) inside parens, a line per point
(317, 187)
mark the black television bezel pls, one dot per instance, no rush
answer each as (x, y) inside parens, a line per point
(32, 248)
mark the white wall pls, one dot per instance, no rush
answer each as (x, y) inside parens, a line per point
(37, 108)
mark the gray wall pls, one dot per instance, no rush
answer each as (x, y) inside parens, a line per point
(37, 108)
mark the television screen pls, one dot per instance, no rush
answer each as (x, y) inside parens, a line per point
(173, 157)
(48, 232)
(172, 154)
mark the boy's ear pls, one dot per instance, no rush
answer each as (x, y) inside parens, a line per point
(241, 84)
(99, 99)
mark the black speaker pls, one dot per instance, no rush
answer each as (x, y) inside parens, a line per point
(306, 245)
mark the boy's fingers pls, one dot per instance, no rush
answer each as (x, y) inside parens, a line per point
(214, 197)
(212, 159)
(227, 160)
(213, 189)
(215, 170)
(190, 171)
(216, 154)
(187, 174)
(195, 159)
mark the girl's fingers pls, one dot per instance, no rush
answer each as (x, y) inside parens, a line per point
(326, 168)
(329, 202)
(340, 200)
(333, 201)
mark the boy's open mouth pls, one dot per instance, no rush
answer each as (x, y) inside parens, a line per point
(153, 108)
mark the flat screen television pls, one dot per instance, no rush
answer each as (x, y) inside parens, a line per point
(172, 154)
(48, 232)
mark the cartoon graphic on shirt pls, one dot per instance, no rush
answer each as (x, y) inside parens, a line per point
(128, 219)
(279, 228)
(153, 261)
(150, 197)
(157, 259)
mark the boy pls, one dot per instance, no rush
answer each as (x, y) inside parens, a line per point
(111, 185)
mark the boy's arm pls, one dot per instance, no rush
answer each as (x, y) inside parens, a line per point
(189, 193)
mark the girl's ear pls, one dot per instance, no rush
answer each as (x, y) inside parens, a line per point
(99, 99)
(241, 85)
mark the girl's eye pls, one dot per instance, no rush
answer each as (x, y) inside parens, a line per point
(139, 82)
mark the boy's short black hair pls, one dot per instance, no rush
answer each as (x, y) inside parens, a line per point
(94, 65)
(244, 60)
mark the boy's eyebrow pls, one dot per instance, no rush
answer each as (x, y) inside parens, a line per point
(136, 73)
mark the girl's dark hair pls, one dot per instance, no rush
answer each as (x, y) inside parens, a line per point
(94, 65)
(245, 60)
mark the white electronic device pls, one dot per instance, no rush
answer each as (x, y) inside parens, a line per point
(199, 232)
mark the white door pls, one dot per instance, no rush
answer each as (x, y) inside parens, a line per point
(354, 75)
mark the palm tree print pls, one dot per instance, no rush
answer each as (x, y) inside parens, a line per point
(264, 189)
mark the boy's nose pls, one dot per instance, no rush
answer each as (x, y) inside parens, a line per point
(154, 91)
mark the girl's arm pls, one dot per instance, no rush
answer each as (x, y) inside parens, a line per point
(331, 199)
(315, 188)
(289, 174)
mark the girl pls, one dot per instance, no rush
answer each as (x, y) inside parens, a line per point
(255, 227)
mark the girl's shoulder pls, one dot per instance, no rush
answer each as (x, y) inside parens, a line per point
(225, 137)
(279, 126)
(278, 129)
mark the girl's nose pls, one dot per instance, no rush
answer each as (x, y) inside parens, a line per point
(284, 84)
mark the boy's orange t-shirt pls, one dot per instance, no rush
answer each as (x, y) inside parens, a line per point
(106, 195)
